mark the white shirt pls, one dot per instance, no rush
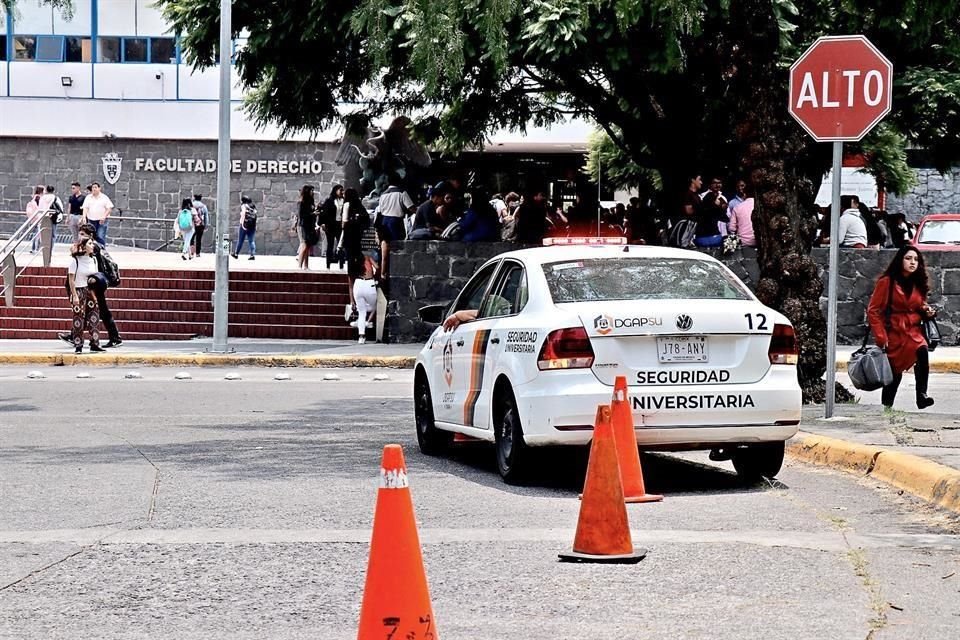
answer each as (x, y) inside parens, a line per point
(394, 203)
(95, 208)
(852, 230)
(82, 267)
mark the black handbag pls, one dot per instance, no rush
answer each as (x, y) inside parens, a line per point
(931, 332)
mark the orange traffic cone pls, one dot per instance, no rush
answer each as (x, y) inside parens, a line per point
(396, 600)
(631, 475)
(603, 531)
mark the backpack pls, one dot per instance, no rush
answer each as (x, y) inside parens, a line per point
(682, 234)
(250, 221)
(57, 207)
(185, 220)
(108, 267)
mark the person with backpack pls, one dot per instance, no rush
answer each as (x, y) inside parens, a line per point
(331, 224)
(51, 202)
(81, 271)
(184, 228)
(108, 275)
(356, 221)
(248, 227)
(201, 219)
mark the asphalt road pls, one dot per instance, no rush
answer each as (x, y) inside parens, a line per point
(242, 509)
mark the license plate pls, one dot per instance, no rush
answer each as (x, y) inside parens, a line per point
(682, 349)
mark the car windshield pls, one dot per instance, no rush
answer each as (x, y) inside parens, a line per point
(940, 232)
(639, 278)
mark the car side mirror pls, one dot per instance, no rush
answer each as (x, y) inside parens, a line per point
(433, 313)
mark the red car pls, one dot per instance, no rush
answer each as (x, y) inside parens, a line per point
(939, 231)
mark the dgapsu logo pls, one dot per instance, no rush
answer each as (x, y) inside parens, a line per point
(603, 324)
(111, 167)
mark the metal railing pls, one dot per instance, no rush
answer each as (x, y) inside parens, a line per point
(10, 266)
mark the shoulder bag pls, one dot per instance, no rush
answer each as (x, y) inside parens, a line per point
(869, 368)
(931, 332)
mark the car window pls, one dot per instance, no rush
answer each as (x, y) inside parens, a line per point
(645, 278)
(940, 232)
(504, 298)
(472, 294)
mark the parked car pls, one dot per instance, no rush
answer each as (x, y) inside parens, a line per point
(939, 231)
(707, 364)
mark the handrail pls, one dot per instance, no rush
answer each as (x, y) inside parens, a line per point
(9, 269)
(30, 224)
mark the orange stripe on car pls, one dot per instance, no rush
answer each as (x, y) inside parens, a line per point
(478, 361)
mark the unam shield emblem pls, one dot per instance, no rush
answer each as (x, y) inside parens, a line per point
(448, 362)
(111, 167)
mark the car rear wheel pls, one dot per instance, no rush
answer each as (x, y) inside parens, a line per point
(432, 441)
(513, 454)
(757, 461)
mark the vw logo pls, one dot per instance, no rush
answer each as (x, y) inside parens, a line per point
(684, 322)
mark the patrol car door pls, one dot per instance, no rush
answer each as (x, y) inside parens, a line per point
(488, 336)
(448, 384)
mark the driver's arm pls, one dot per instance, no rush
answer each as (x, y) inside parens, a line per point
(458, 317)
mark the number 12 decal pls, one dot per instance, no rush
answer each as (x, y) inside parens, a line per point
(761, 323)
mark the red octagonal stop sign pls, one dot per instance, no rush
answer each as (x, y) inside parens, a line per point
(840, 88)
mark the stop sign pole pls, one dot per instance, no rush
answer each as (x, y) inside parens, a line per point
(840, 88)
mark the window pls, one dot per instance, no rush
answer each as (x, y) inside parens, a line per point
(940, 232)
(505, 297)
(641, 279)
(135, 50)
(24, 48)
(472, 294)
(163, 50)
(78, 49)
(108, 50)
(3, 48)
(49, 49)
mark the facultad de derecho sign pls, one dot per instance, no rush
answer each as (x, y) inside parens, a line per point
(113, 166)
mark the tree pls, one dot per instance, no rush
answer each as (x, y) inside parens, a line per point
(674, 84)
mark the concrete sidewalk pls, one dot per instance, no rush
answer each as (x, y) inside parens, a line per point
(242, 351)
(918, 452)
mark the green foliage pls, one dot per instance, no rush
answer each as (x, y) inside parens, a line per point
(886, 152)
(605, 161)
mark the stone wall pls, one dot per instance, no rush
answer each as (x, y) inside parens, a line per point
(269, 173)
(935, 193)
(432, 272)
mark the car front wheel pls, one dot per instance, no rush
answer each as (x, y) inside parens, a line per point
(513, 455)
(757, 461)
(432, 441)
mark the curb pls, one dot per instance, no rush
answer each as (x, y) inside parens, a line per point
(934, 482)
(949, 365)
(208, 360)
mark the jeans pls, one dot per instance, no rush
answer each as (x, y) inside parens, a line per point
(244, 235)
(197, 239)
(53, 237)
(100, 230)
(74, 223)
(187, 241)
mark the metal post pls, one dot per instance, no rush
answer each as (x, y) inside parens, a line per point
(832, 280)
(599, 181)
(222, 239)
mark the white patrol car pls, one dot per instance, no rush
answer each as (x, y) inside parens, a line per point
(707, 365)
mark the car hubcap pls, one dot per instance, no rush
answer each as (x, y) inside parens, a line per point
(506, 435)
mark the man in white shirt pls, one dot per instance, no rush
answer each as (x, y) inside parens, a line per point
(394, 205)
(96, 210)
(853, 232)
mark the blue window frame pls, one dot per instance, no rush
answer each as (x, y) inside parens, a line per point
(110, 49)
(136, 50)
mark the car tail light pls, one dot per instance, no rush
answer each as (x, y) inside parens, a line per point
(566, 349)
(783, 345)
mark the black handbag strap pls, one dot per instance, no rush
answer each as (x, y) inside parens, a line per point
(886, 313)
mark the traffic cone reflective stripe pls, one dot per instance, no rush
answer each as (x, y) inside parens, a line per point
(396, 599)
(603, 531)
(631, 475)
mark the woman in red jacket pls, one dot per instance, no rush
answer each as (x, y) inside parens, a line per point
(898, 329)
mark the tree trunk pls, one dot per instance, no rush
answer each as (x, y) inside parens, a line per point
(775, 156)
